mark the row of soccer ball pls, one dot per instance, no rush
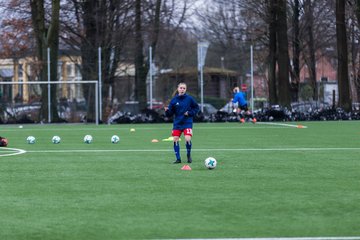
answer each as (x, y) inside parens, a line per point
(56, 139)
(210, 162)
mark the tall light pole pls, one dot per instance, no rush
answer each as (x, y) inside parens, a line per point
(252, 77)
(100, 84)
(49, 88)
(151, 77)
(202, 49)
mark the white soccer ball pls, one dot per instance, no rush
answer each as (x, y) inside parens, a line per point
(88, 139)
(115, 139)
(30, 139)
(56, 139)
(210, 163)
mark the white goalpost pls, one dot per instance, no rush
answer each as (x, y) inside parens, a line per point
(60, 83)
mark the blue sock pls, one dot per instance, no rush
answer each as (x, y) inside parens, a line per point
(177, 150)
(188, 148)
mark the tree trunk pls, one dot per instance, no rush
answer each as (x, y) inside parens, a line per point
(343, 74)
(272, 54)
(156, 26)
(89, 53)
(357, 75)
(296, 53)
(283, 59)
(46, 38)
(38, 22)
(53, 43)
(312, 62)
(140, 71)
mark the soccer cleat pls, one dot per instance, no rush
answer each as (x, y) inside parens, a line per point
(189, 159)
(242, 120)
(253, 120)
(177, 161)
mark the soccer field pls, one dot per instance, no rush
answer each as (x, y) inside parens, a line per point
(271, 181)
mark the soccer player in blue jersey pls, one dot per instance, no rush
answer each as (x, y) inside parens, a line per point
(183, 107)
(240, 100)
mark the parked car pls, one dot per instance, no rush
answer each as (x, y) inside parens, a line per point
(228, 108)
(208, 109)
(308, 106)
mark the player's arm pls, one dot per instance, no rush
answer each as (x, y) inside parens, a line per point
(169, 109)
(236, 98)
(194, 109)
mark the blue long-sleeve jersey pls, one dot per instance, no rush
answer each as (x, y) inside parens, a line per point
(178, 106)
(240, 99)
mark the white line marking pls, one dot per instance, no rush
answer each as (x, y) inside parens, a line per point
(266, 125)
(282, 124)
(11, 152)
(196, 150)
(280, 238)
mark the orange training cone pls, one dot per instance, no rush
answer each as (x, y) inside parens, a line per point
(186, 167)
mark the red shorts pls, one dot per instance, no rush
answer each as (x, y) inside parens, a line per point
(177, 133)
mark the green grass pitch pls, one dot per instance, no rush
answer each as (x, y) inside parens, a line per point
(270, 181)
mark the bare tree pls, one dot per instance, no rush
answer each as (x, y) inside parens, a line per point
(224, 26)
(154, 20)
(273, 97)
(15, 38)
(140, 69)
(355, 51)
(47, 36)
(295, 72)
(310, 56)
(249, 25)
(103, 24)
(279, 65)
(283, 59)
(343, 75)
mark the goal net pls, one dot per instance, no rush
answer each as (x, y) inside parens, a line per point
(49, 102)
